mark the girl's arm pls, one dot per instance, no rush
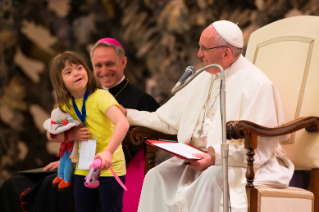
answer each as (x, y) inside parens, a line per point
(56, 138)
(121, 128)
(78, 133)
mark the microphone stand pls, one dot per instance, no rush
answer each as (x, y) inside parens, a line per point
(224, 145)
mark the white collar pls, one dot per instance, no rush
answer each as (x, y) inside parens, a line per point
(231, 69)
(107, 89)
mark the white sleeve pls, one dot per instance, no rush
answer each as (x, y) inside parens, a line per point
(237, 153)
(263, 108)
(165, 119)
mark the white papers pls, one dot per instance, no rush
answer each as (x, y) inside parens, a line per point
(179, 148)
(87, 154)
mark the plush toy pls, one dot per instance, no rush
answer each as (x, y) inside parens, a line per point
(61, 122)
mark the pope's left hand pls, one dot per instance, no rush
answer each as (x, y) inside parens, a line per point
(203, 163)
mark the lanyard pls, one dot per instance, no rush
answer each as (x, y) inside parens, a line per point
(83, 115)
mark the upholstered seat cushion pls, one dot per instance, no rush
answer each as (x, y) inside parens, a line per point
(284, 200)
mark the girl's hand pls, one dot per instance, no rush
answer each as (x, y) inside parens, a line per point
(106, 158)
(79, 133)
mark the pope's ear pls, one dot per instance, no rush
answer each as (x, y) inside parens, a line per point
(227, 53)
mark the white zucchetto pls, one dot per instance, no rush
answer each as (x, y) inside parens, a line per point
(230, 32)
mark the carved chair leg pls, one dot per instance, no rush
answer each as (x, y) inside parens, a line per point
(252, 199)
(150, 158)
(252, 193)
(250, 175)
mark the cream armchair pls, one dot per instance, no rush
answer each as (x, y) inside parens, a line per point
(287, 51)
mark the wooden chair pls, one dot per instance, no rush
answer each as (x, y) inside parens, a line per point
(274, 199)
(287, 51)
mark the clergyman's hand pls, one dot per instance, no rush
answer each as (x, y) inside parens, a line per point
(123, 110)
(52, 166)
(79, 133)
(203, 163)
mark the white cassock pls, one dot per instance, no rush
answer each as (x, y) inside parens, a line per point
(250, 95)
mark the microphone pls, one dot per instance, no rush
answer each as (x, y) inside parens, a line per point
(189, 71)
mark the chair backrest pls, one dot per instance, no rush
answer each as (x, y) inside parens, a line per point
(287, 51)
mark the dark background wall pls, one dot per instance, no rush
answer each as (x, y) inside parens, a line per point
(160, 38)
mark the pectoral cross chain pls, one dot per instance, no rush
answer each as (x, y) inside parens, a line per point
(200, 131)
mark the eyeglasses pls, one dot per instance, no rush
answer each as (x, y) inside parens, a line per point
(206, 49)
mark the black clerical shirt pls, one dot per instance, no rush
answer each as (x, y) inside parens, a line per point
(131, 97)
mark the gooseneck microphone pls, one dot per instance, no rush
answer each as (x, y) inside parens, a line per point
(189, 71)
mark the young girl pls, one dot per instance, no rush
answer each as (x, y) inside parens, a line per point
(78, 93)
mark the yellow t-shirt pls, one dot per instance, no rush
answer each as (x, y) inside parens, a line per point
(100, 126)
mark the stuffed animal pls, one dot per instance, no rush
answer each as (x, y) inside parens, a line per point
(62, 122)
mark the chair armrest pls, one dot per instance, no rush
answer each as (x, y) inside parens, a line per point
(249, 131)
(135, 135)
(240, 129)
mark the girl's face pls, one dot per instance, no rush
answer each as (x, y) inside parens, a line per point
(75, 79)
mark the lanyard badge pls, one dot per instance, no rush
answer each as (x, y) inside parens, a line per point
(83, 115)
(88, 148)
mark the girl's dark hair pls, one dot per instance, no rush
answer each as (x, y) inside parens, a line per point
(57, 64)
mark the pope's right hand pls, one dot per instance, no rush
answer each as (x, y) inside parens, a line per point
(123, 110)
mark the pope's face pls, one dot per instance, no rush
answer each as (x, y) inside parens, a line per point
(107, 66)
(210, 56)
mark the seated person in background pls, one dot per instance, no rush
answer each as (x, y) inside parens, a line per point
(194, 115)
(108, 61)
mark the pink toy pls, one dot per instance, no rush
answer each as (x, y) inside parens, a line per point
(91, 180)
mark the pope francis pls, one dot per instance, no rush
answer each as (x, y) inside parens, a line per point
(194, 114)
